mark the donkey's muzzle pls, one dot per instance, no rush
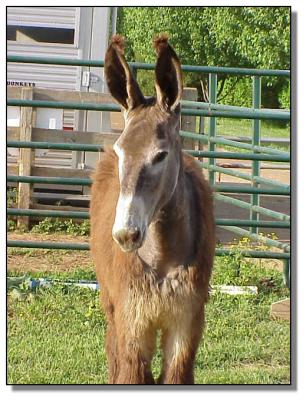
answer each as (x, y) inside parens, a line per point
(129, 239)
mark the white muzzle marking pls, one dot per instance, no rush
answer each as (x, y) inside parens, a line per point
(130, 210)
(130, 213)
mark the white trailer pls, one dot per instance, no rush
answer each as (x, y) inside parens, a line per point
(61, 32)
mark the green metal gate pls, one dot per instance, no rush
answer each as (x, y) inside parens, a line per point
(256, 153)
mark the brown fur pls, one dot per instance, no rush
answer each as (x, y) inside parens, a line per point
(135, 303)
(152, 229)
(118, 41)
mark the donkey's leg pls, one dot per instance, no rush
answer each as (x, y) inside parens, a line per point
(111, 337)
(180, 343)
(111, 352)
(135, 355)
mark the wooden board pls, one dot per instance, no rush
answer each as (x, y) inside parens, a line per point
(62, 136)
(62, 196)
(62, 172)
(47, 171)
(281, 309)
(25, 157)
(188, 122)
(62, 95)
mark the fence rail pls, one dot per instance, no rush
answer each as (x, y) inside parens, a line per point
(147, 66)
(85, 246)
(85, 215)
(196, 153)
(87, 182)
(95, 142)
(245, 114)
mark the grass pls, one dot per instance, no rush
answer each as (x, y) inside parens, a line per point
(243, 128)
(44, 348)
(56, 335)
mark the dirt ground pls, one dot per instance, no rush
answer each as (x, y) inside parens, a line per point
(41, 260)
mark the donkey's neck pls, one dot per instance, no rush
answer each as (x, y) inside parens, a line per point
(169, 242)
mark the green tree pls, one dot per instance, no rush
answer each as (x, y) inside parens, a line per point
(252, 37)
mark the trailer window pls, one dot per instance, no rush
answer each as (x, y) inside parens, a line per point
(40, 34)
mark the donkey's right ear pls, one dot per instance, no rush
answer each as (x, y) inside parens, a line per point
(168, 74)
(120, 81)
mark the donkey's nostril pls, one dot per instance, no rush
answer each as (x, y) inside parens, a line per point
(134, 235)
(127, 237)
(119, 237)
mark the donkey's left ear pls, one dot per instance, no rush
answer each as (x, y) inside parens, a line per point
(168, 74)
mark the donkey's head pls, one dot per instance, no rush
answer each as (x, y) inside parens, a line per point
(148, 149)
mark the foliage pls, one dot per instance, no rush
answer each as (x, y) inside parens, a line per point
(53, 225)
(11, 196)
(235, 269)
(11, 225)
(284, 96)
(251, 37)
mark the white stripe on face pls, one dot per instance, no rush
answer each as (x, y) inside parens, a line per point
(130, 213)
(130, 210)
(120, 155)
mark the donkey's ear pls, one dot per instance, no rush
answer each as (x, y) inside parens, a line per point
(120, 81)
(168, 74)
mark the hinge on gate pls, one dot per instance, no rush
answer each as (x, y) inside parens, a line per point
(93, 78)
(86, 78)
(89, 78)
(81, 166)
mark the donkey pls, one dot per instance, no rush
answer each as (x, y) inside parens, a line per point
(152, 229)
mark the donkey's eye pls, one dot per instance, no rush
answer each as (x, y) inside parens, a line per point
(159, 157)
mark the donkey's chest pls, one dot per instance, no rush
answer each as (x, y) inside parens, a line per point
(166, 260)
(161, 300)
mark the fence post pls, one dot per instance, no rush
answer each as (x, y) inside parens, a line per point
(201, 145)
(25, 157)
(255, 199)
(286, 273)
(189, 122)
(213, 86)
